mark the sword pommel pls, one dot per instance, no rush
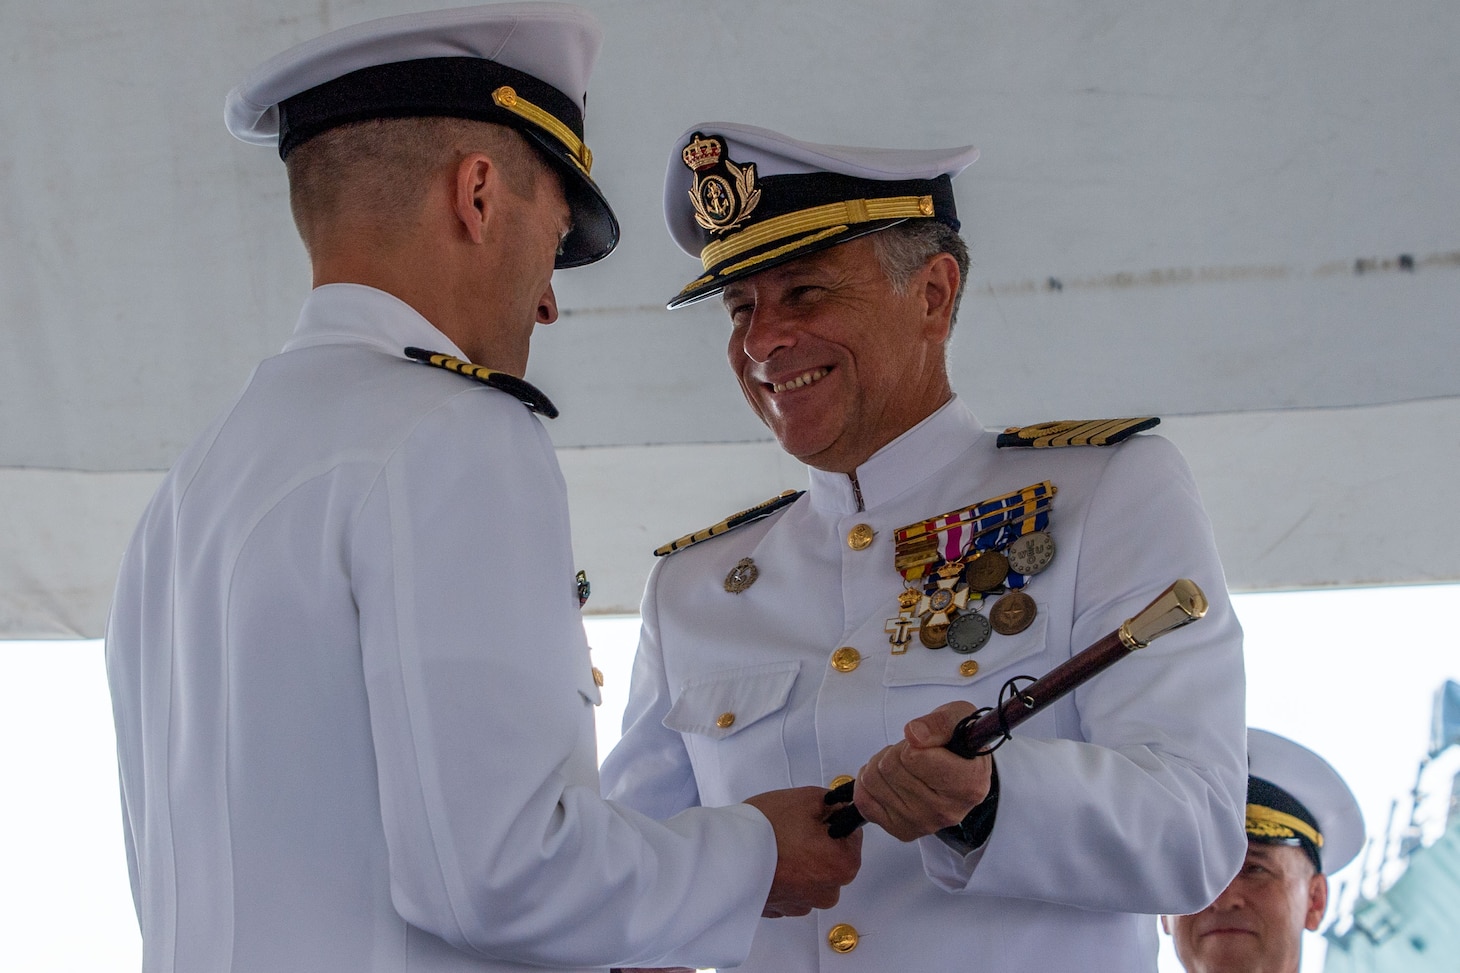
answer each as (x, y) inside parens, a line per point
(1181, 604)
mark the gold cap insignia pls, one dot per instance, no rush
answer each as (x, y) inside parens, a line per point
(724, 194)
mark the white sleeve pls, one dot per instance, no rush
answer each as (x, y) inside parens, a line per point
(481, 695)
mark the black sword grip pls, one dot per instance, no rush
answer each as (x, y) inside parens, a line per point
(843, 821)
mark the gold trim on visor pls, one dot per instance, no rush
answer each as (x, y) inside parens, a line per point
(508, 98)
(804, 241)
(816, 218)
(1264, 822)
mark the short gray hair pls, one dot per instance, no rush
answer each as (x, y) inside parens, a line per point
(903, 249)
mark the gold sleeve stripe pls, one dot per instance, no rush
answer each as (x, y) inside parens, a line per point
(1264, 822)
(508, 98)
(848, 211)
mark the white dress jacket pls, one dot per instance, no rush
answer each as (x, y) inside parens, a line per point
(353, 697)
(1123, 799)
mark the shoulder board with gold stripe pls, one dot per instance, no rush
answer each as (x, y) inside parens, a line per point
(524, 391)
(786, 498)
(1074, 432)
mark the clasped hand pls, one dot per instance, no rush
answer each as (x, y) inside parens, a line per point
(915, 787)
(811, 867)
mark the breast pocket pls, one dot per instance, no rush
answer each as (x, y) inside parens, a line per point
(921, 679)
(732, 722)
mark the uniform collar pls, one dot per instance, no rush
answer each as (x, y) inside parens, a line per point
(916, 455)
(357, 314)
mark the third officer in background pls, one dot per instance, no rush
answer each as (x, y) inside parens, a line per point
(1303, 824)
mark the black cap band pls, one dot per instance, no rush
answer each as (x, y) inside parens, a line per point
(472, 88)
(445, 87)
(1264, 795)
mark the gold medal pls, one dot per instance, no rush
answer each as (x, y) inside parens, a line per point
(1031, 554)
(933, 634)
(1013, 613)
(741, 576)
(987, 571)
(899, 627)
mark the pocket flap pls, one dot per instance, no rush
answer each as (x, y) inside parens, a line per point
(723, 703)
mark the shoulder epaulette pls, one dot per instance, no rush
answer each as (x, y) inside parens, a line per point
(786, 498)
(1074, 432)
(524, 391)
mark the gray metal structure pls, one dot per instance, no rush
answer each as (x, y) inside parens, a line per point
(1239, 215)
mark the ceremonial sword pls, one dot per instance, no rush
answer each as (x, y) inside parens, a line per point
(1180, 604)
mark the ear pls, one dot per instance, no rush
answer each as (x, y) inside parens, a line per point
(1166, 925)
(1317, 901)
(939, 280)
(474, 193)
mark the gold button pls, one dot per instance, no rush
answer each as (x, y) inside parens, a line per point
(845, 659)
(925, 205)
(859, 538)
(840, 780)
(842, 938)
(725, 720)
(969, 668)
(597, 677)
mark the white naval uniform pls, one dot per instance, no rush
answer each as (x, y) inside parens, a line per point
(353, 696)
(1125, 797)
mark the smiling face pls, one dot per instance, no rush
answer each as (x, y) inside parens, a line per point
(834, 361)
(1256, 925)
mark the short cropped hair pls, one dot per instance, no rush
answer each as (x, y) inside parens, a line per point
(378, 170)
(903, 249)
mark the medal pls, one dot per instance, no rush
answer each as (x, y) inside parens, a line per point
(1013, 613)
(934, 635)
(1031, 553)
(741, 576)
(963, 556)
(940, 600)
(898, 627)
(938, 607)
(986, 571)
(968, 633)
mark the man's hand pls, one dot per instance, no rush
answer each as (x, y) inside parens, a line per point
(915, 787)
(811, 868)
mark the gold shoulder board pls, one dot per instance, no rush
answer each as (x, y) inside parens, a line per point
(524, 391)
(1074, 432)
(785, 499)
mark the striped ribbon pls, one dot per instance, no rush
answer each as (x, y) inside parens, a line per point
(989, 525)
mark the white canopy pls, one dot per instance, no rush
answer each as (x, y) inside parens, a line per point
(1240, 216)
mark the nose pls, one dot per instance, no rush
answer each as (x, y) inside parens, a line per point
(1231, 897)
(547, 306)
(768, 332)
